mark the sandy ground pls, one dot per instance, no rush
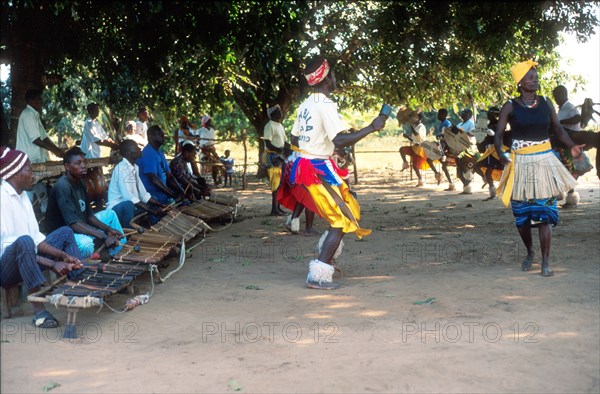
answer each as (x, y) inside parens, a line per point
(237, 317)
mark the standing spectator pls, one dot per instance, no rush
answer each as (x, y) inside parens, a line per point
(34, 142)
(141, 125)
(275, 140)
(228, 163)
(94, 134)
(207, 146)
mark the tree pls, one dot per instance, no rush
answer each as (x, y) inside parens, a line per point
(183, 57)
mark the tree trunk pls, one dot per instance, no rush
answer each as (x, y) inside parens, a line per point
(26, 71)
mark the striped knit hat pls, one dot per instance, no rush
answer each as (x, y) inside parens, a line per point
(11, 162)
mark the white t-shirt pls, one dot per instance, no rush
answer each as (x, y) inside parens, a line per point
(566, 111)
(92, 133)
(207, 135)
(275, 133)
(29, 129)
(316, 125)
(141, 128)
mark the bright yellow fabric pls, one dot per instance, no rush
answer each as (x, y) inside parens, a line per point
(330, 211)
(506, 185)
(419, 151)
(274, 174)
(519, 70)
(491, 150)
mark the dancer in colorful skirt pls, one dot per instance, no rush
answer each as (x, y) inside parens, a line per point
(533, 176)
(316, 132)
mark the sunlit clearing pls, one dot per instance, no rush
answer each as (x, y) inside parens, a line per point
(372, 313)
(514, 297)
(380, 277)
(55, 373)
(340, 305)
(326, 297)
(562, 334)
(317, 315)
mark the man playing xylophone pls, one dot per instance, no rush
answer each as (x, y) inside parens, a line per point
(24, 251)
(69, 205)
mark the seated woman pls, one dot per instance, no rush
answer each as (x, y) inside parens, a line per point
(196, 187)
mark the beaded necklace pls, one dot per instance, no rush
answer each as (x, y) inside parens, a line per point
(535, 102)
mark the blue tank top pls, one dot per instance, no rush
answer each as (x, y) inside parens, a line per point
(530, 124)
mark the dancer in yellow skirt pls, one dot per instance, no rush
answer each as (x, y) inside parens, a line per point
(316, 132)
(533, 176)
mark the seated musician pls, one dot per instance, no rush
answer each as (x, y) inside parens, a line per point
(154, 170)
(195, 187)
(442, 116)
(127, 195)
(69, 205)
(467, 158)
(415, 151)
(25, 252)
(94, 134)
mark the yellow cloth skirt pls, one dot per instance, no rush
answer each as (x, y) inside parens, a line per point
(330, 211)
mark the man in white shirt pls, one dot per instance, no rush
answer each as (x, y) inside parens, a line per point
(141, 125)
(570, 119)
(94, 134)
(24, 250)
(568, 115)
(275, 140)
(127, 195)
(316, 132)
(207, 146)
(33, 140)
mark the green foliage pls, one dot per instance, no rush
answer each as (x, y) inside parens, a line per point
(233, 58)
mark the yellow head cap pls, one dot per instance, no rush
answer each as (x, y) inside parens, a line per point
(519, 70)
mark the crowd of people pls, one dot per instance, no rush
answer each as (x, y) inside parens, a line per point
(308, 172)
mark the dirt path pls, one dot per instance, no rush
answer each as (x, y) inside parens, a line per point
(238, 318)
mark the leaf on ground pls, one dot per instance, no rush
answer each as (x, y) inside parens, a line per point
(253, 287)
(428, 301)
(216, 260)
(234, 385)
(50, 386)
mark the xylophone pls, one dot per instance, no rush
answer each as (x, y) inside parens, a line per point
(208, 210)
(51, 169)
(181, 225)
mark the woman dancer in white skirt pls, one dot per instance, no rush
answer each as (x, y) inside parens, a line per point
(533, 176)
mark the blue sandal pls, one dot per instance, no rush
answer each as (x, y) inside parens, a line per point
(44, 319)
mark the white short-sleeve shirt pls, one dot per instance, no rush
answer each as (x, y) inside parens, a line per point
(29, 129)
(566, 111)
(92, 133)
(316, 125)
(275, 133)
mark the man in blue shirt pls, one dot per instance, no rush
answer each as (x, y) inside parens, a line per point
(154, 169)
